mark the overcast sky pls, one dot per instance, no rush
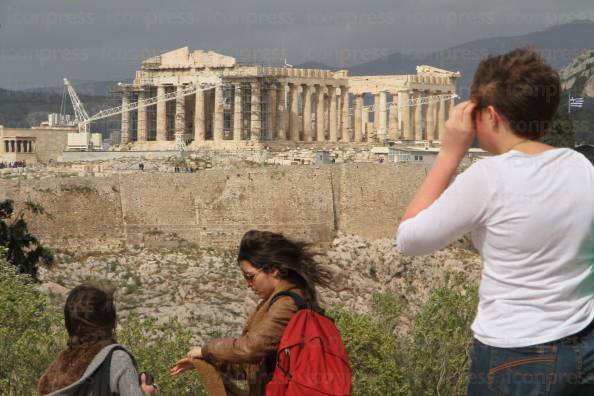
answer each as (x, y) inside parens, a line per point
(42, 41)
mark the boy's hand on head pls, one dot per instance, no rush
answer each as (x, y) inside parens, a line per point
(459, 130)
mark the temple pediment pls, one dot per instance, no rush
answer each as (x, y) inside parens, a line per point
(425, 70)
(182, 57)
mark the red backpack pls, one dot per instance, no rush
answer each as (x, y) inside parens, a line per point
(312, 359)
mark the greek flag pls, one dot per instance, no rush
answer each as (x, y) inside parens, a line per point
(576, 102)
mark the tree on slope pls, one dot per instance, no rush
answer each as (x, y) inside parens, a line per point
(24, 250)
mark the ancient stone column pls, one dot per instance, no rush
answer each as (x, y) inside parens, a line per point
(307, 132)
(441, 119)
(272, 98)
(282, 116)
(124, 136)
(430, 119)
(237, 112)
(161, 115)
(452, 103)
(376, 106)
(218, 114)
(382, 111)
(358, 118)
(256, 126)
(180, 112)
(418, 118)
(450, 110)
(393, 127)
(407, 131)
(368, 129)
(199, 117)
(294, 115)
(142, 127)
(333, 114)
(344, 114)
(320, 130)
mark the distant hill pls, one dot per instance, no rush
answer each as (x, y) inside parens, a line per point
(578, 76)
(559, 45)
(578, 80)
(24, 109)
(90, 88)
(314, 65)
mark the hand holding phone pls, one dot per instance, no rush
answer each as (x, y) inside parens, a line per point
(149, 382)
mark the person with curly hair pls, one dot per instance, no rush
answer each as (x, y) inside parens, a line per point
(530, 212)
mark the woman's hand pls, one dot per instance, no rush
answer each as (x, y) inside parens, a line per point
(195, 353)
(459, 131)
(182, 366)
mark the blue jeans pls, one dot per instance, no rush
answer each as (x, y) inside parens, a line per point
(560, 368)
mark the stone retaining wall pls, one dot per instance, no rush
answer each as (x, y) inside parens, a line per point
(215, 207)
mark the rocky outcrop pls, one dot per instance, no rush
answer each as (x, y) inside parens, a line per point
(578, 76)
(203, 288)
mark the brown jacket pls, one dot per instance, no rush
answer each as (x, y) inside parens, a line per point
(252, 356)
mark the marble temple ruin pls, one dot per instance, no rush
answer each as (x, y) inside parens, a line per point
(257, 104)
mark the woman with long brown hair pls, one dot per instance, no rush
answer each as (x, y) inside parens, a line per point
(270, 263)
(93, 362)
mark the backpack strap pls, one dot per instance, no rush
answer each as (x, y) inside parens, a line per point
(99, 382)
(299, 301)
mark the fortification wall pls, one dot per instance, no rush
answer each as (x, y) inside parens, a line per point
(215, 207)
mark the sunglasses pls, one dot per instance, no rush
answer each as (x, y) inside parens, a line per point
(250, 276)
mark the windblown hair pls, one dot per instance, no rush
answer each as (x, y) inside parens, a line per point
(293, 259)
(90, 315)
(523, 89)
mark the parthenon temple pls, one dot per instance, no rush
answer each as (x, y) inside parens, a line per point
(259, 104)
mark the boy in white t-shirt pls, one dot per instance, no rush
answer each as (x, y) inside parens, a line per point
(530, 212)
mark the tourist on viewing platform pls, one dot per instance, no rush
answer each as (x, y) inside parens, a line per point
(93, 363)
(530, 212)
(13, 164)
(271, 264)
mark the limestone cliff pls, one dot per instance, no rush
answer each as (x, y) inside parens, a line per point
(578, 76)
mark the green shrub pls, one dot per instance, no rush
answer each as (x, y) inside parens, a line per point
(435, 354)
(31, 333)
(372, 353)
(430, 360)
(157, 347)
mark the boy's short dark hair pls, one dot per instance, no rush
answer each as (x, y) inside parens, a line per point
(521, 87)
